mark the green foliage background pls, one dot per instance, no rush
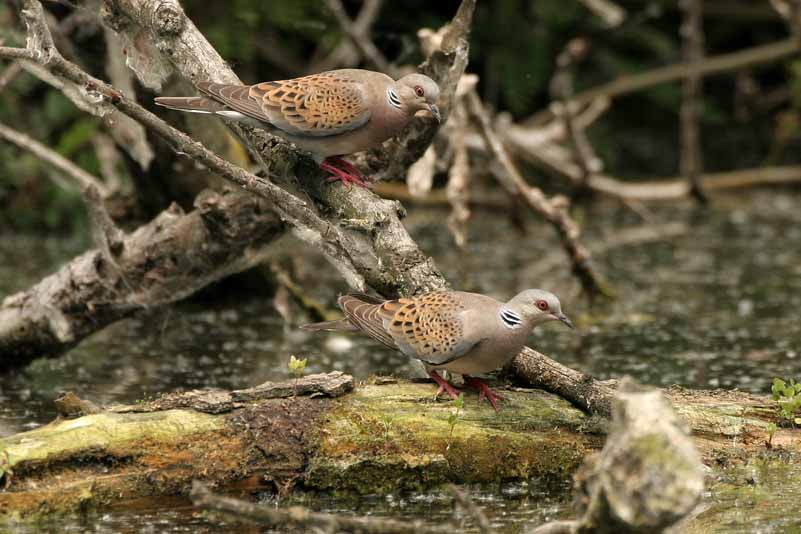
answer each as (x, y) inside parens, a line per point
(513, 49)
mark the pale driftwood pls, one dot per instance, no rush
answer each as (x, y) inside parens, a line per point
(333, 384)
(164, 261)
(648, 476)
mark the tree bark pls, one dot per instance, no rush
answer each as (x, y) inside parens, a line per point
(163, 261)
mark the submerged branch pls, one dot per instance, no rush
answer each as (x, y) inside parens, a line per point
(302, 518)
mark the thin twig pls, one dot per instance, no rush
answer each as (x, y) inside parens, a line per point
(297, 516)
(470, 507)
(345, 54)
(8, 75)
(554, 211)
(711, 65)
(81, 178)
(692, 165)
(359, 39)
(457, 189)
(612, 14)
(562, 90)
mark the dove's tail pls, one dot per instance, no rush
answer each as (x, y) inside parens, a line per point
(339, 325)
(192, 104)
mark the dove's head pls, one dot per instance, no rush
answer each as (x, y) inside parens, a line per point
(419, 92)
(538, 306)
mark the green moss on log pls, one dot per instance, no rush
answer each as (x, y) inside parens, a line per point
(395, 436)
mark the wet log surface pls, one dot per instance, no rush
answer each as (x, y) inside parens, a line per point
(382, 436)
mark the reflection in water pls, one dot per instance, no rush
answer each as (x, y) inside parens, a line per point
(714, 307)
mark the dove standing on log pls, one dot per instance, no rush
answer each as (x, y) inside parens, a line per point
(465, 333)
(329, 114)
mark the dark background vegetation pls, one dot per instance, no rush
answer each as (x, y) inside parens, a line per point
(749, 119)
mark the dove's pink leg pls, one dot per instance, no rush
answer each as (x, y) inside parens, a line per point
(344, 171)
(483, 390)
(444, 385)
(347, 166)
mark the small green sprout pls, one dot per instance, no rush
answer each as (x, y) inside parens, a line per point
(453, 417)
(296, 367)
(387, 421)
(788, 397)
(771, 430)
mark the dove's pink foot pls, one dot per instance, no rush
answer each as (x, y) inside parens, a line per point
(342, 170)
(483, 391)
(444, 385)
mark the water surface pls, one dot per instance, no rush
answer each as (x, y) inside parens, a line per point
(713, 305)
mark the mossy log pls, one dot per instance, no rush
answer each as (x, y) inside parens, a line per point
(381, 436)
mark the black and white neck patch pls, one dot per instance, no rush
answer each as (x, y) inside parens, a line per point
(393, 99)
(510, 319)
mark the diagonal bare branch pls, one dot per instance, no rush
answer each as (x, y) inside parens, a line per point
(80, 177)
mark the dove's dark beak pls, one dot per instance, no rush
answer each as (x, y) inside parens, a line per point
(562, 317)
(435, 112)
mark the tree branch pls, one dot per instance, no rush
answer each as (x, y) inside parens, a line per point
(360, 39)
(554, 211)
(81, 178)
(711, 65)
(692, 91)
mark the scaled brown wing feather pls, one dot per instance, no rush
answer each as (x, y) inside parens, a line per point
(318, 105)
(430, 328)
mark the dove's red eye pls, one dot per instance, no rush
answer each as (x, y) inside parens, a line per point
(419, 91)
(541, 304)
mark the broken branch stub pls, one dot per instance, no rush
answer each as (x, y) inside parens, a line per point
(648, 476)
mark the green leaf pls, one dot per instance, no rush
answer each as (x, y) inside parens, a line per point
(78, 135)
(296, 365)
(459, 401)
(777, 388)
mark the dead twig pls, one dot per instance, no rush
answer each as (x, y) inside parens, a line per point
(692, 165)
(470, 507)
(8, 75)
(554, 210)
(299, 517)
(562, 90)
(710, 65)
(612, 14)
(345, 54)
(80, 178)
(359, 38)
(457, 190)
